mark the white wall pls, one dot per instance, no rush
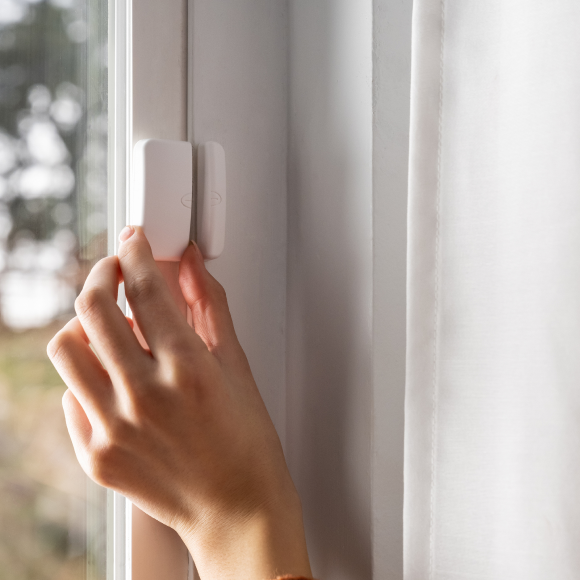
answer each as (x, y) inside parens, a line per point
(329, 303)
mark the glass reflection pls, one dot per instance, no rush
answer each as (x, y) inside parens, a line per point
(53, 177)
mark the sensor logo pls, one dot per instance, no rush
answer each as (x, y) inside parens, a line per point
(216, 198)
(186, 200)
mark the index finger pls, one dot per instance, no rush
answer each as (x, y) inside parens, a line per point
(104, 323)
(163, 326)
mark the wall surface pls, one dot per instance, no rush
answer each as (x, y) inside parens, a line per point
(329, 304)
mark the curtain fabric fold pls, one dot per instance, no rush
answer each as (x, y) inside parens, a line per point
(492, 448)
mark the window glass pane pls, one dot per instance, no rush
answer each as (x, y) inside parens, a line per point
(53, 200)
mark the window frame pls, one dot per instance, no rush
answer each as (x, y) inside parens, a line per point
(132, 95)
(381, 488)
(119, 525)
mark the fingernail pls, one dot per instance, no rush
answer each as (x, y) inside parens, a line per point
(126, 233)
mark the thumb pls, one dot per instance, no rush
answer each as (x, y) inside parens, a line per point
(207, 300)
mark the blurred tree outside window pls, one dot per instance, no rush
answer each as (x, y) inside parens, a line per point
(53, 227)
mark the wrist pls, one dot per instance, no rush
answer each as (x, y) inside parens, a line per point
(260, 545)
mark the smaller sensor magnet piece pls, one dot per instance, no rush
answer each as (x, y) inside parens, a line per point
(211, 199)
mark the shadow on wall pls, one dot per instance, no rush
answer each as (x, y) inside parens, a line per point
(329, 398)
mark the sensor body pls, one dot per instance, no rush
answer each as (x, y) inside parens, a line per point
(161, 195)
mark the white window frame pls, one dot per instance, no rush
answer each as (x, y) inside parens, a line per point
(119, 528)
(141, 105)
(259, 308)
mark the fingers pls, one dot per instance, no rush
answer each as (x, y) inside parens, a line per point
(208, 303)
(106, 326)
(163, 326)
(78, 425)
(80, 369)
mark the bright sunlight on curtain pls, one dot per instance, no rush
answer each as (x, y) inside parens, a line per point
(493, 387)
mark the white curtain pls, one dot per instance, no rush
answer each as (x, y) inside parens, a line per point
(492, 450)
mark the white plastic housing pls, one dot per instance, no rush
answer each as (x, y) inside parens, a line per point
(161, 195)
(211, 199)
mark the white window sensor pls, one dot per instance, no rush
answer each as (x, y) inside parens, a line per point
(161, 197)
(211, 199)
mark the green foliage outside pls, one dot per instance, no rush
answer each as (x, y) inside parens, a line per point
(53, 183)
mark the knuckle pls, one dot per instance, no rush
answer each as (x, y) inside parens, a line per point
(107, 458)
(142, 287)
(102, 464)
(187, 382)
(218, 292)
(57, 349)
(89, 301)
(174, 374)
(105, 262)
(129, 250)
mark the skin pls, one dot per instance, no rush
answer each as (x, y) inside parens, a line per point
(180, 429)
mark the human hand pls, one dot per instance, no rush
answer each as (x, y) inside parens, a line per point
(180, 429)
